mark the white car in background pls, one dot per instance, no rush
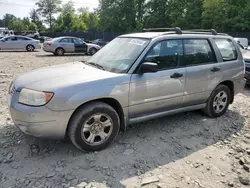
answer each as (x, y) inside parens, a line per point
(32, 34)
(5, 32)
(17, 42)
(242, 41)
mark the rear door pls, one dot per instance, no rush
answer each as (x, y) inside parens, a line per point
(67, 44)
(80, 46)
(163, 90)
(203, 70)
(22, 42)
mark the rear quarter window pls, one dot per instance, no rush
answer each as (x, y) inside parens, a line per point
(227, 49)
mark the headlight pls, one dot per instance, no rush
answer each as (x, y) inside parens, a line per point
(34, 98)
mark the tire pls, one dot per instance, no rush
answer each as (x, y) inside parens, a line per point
(30, 48)
(92, 51)
(59, 51)
(221, 95)
(83, 125)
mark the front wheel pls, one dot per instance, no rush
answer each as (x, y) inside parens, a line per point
(218, 102)
(59, 51)
(30, 48)
(94, 126)
(92, 51)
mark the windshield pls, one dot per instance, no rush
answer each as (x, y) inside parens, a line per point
(120, 54)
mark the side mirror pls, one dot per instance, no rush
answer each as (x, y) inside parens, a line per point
(148, 67)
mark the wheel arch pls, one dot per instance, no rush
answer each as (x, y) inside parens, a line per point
(30, 45)
(59, 47)
(110, 101)
(230, 85)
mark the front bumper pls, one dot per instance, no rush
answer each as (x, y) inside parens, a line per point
(38, 121)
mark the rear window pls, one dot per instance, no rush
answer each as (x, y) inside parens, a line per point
(197, 52)
(66, 40)
(227, 49)
(23, 38)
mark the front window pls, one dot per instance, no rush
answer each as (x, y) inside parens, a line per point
(77, 41)
(167, 54)
(120, 54)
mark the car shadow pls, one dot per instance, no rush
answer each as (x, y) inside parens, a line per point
(65, 55)
(142, 148)
(2, 51)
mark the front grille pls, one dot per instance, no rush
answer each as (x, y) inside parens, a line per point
(248, 69)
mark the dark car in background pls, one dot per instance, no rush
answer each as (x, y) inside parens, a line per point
(44, 38)
(99, 42)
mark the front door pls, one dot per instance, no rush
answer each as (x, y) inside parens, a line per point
(80, 46)
(10, 43)
(203, 71)
(164, 90)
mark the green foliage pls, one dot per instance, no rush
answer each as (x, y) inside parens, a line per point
(17, 25)
(134, 15)
(69, 21)
(33, 27)
(34, 17)
(47, 9)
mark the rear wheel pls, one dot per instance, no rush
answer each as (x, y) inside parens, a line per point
(92, 51)
(59, 51)
(30, 48)
(218, 102)
(94, 126)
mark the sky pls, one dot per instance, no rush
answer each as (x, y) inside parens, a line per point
(21, 8)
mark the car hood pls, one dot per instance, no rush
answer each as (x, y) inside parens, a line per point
(58, 76)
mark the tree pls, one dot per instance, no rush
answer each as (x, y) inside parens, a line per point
(69, 21)
(68, 7)
(1, 23)
(186, 14)
(7, 18)
(26, 23)
(47, 9)
(118, 16)
(34, 16)
(33, 27)
(93, 22)
(16, 25)
(157, 14)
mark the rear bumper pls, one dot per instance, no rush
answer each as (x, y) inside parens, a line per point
(239, 86)
(46, 49)
(38, 121)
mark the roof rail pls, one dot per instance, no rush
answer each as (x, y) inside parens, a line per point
(177, 30)
(213, 31)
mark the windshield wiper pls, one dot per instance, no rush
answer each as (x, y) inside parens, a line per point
(96, 65)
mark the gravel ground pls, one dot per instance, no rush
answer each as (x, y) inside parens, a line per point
(184, 150)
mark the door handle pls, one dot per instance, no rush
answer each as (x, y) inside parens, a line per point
(176, 75)
(215, 69)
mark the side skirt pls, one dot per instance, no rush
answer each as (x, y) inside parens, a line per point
(165, 113)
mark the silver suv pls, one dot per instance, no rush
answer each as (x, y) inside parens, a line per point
(134, 78)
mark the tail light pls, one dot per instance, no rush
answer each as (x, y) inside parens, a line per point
(48, 43)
